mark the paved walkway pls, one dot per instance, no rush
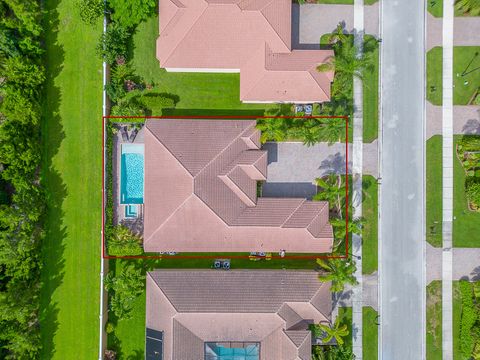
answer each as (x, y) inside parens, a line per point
(357, 172)
(466, 119)
(316, 161)
(447, 177)
(465, 32)
(311, 21)
(466, 264)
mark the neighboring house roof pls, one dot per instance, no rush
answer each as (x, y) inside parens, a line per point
(272, 307)
(201, 193)
(211, 35)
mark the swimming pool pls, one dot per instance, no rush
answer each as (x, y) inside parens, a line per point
(225, 351)
(132, 171)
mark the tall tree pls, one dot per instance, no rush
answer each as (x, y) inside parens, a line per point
(129, 13)
(338, 271)
(335, 331)
(333, 190)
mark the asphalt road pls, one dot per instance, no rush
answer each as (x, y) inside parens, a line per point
(402, 287)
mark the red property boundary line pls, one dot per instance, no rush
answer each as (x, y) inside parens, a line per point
(219, 255)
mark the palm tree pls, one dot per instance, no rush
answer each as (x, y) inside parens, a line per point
(339, 272)
(335, 331)
(338, 35)
(340, 229)
(309, 135)
(333, 191)
(332, 130)
(272, 129)
(471, 7)
(347, 62)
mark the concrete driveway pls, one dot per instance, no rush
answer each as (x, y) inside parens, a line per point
(292, 166)
(311, 21)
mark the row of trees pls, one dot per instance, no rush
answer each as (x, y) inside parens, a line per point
(125, 88)
(22, 201)
(347, 64)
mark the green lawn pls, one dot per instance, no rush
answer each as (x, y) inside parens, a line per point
(466, 224)
(434, 320)
(71, 174)
(128, 338)
(345, 316)
(435, 7)
(466, 76)
(434, 191)
(370, 228)
(195, 90)
(370, 334)
(434, 75)
(370, 99)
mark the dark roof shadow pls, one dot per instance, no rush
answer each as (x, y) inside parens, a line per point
(289, 190)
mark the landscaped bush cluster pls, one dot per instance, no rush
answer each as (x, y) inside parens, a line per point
(346, 65)
(22, 201)
(125, 89)
(468, 152)
(123, 242)
(470, 320)
(125, 287)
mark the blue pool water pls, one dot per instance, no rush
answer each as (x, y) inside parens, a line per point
(215, 351)
(132, 171)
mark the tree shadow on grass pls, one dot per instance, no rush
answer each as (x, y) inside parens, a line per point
(55, 233)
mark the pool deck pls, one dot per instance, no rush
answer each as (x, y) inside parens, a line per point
(136, 225)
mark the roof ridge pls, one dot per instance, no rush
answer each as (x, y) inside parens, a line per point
(298, 207)
(169, 217)
(166, 148)
(320, 288)
(223, 150)
(273, 27)
(189, 30)
(159, 288)
(319, 85)
(325, 203)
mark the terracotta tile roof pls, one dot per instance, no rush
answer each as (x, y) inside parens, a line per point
(236, 305)
(227, 34)
(201, 193)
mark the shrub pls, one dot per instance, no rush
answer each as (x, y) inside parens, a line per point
(128, 108)
(468, 319)
(109, 328)
(472, 190)
(126, 287)
(123, 242)
(129, 13)
(90, 11)
(113, 44)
